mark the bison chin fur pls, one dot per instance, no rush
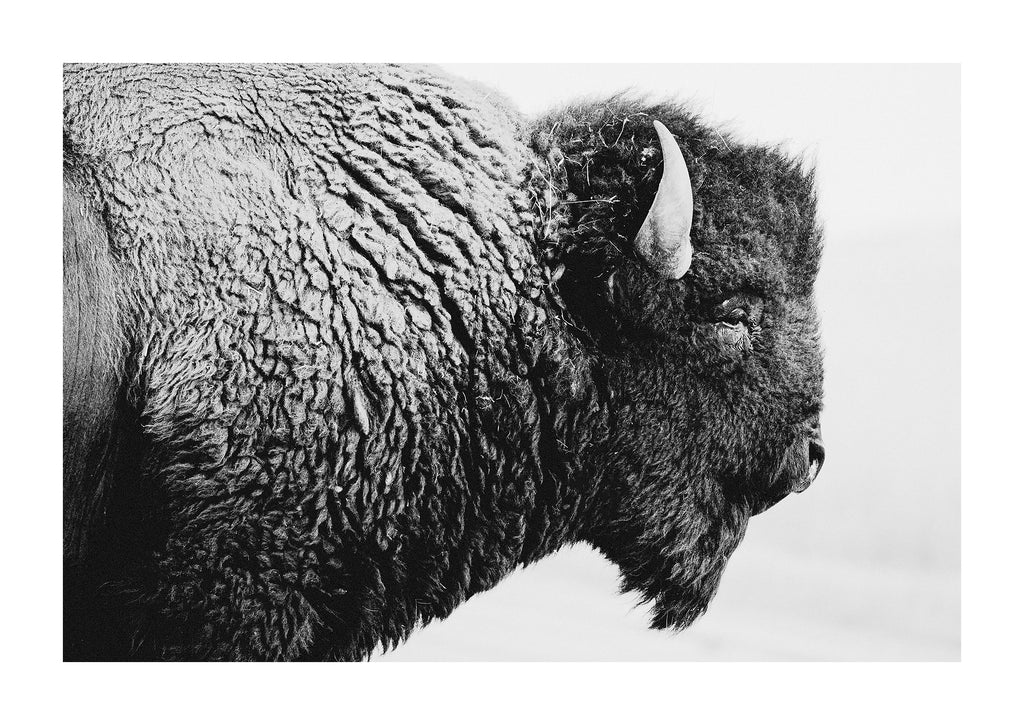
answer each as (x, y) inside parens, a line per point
(671, 546)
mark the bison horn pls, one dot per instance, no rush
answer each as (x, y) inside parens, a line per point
(664, 238)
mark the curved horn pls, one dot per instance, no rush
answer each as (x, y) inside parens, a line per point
(664, 238)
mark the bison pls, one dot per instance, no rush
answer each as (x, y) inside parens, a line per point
(344, 346)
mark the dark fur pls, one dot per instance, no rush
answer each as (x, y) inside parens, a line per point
(384, 341)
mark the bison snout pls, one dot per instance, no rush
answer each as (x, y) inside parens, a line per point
(815, 459)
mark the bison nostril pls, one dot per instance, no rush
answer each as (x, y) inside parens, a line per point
(816, 457)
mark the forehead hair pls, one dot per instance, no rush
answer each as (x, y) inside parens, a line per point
(752, 202)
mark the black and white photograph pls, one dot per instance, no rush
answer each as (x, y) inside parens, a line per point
(347, 347)
(513, 362)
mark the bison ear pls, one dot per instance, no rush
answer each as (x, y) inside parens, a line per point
(664, 238)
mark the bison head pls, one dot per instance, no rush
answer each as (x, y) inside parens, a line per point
(686, 263)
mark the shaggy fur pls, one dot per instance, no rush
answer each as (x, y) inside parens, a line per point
(384, 341)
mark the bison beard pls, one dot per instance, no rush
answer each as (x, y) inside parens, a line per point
(379, 341)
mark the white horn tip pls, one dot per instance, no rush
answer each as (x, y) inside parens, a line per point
(664, 237)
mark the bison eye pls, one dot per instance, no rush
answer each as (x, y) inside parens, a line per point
(732, 320)
(740, 309)
(737, 316)
(737, 320)
(733, 323)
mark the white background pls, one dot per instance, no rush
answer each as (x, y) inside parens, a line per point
(864, 565)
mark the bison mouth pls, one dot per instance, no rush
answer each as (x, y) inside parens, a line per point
(798, 469)
(795, 472)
